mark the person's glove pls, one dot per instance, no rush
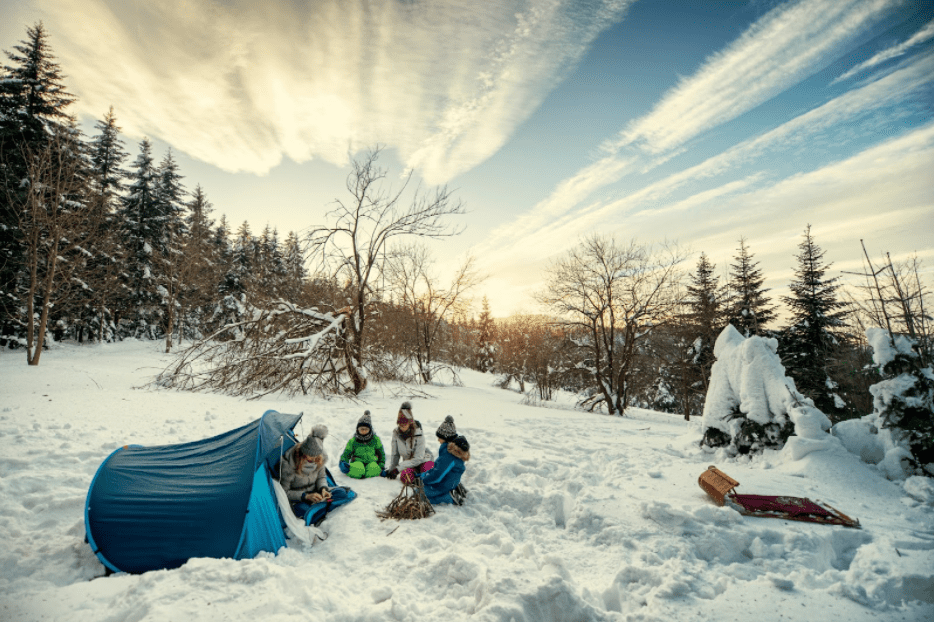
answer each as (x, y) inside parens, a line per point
(393, 474)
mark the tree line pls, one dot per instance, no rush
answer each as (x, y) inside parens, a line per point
(95, 247)
(630, 327)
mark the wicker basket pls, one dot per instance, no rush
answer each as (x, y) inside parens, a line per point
(716, 483)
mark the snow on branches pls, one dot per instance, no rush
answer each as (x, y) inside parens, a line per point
(281, 348)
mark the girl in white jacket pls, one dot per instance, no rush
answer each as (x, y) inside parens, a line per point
(410, 457)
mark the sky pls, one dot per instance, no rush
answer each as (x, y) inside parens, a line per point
(670, 121)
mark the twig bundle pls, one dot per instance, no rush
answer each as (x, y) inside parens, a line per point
(411, 503)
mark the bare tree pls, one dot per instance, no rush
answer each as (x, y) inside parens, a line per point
(530, 348)
(53, 220)
(615, 296)
(429, 307)
(894, 297)
(353, 248)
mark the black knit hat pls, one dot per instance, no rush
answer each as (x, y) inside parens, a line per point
(364, 421)
(313, 445)
(461, 443)
(447, 431)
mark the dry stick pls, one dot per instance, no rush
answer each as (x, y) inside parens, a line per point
(411, 503)
(888, 323)
(903, 299)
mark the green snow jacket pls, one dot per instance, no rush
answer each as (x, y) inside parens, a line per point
(364, 452)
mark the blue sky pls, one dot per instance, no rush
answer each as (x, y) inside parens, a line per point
(695, 122)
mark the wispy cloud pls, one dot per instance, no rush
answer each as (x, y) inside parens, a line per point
(552, 229)
(787, 45)
(241, 84)
(925, 34)
(881, 193)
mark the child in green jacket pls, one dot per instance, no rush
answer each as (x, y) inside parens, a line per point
(363, 456)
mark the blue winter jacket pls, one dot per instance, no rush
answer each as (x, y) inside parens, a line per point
(443, 477)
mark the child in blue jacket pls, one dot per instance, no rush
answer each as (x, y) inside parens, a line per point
(443, 480)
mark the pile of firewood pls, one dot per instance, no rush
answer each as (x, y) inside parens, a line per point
(411, 503)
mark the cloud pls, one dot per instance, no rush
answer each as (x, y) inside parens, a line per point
(241, 84)
(925, 34)
(785, 46)
(882, 193)
(552, 229)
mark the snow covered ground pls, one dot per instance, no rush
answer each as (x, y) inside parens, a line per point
(571, 516)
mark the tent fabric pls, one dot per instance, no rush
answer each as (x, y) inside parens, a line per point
(262, 529)
(157, 507)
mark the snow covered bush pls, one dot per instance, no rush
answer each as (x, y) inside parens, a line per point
(751, 404)
(903, 401)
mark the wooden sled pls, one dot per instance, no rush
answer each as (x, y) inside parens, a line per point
(720, 487)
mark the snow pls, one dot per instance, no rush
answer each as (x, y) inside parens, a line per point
(570, 516)
(883, 350)
(748, 374)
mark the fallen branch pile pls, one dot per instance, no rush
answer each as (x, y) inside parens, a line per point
(283, 348)
(411, 503)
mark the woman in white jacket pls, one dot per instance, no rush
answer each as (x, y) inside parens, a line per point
(410, 457)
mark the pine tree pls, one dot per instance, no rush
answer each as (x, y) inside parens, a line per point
(749, 309)
(201, 262)
(244, 258)
(143, 224)
(294, 261)
(224, 249)
(172, 269)
(486, 348)
(699, 326)
(107, 157)
(810, 342)
(107, 182)
(169, 194)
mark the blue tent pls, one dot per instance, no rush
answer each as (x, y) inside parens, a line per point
(157, 507)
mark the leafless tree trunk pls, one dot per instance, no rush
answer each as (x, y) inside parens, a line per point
(353, 248)
(894, 297)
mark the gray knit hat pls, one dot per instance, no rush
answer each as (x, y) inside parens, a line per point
(447, 431)
(313, 445)
(365, 420)
(406, 406)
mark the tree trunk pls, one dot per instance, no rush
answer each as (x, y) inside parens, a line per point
(170, 326)
(46, 299)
